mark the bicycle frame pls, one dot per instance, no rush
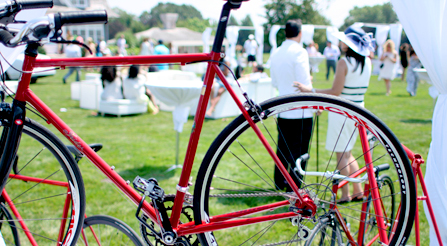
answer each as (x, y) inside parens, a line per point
(24, 94)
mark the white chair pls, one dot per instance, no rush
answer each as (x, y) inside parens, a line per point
(261, 90)
(93, 76)
(122, 107)
(75, 90)
(90, 94)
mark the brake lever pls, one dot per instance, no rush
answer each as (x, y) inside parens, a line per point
(9, 18)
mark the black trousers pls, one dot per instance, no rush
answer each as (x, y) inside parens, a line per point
(293, 141)
(330, 64)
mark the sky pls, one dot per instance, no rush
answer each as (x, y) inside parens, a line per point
(335, 10)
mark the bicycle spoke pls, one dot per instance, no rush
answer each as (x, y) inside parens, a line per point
(26, 191)
(34, 157)
(252, 169)
(261, 231)
(35, 200)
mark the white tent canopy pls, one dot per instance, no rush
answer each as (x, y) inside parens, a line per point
(425, 23)
(177, 37)
(307, 31)
(232, 35)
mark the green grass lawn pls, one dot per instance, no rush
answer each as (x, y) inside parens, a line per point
(144, 145)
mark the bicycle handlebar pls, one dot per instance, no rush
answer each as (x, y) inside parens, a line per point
(80, 18)
(34, 4)
(49, 26)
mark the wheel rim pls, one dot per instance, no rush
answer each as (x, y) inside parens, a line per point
(231, 176)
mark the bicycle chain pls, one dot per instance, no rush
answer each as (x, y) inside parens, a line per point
(264, 194)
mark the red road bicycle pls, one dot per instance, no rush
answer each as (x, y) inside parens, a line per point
(235, 200)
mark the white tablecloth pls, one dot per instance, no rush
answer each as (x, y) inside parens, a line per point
(180, 94)
(314, 62)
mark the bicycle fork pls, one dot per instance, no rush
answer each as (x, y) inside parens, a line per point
(14, 118)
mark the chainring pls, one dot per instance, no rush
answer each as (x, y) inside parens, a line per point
(150, 239)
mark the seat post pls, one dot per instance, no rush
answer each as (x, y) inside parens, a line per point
(223, 21)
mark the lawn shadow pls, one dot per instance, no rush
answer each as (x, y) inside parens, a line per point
(417, 121)
(98, 114)
(376, 94)
(157, 172)
(403, 95)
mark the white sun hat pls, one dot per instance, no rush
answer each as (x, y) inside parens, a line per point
(358, 40)
(251, 36)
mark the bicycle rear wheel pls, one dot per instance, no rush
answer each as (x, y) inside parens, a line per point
(46, 188)
(106, 230)
(326, 233)
(237, 174)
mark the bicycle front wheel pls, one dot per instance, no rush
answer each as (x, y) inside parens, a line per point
(8, 228)
(106, 230)
(45, 189)
(236, 183)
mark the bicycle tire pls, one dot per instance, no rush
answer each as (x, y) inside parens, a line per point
(386, 189)
(321, 236)
(43, 157)
(225, 174)
(109, 231)
(11, 236)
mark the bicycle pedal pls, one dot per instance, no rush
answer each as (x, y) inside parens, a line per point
(149, 187)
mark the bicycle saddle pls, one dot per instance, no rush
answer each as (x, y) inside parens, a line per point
(78, 155)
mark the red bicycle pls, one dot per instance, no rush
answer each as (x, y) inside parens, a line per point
(235, 200)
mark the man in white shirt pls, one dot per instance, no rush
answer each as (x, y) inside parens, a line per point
(251, 48)
(72, 50)
(290, 63)
(331, 53)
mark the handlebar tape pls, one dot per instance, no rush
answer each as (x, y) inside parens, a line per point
(5, 36)
(80, 18)
(34, 4)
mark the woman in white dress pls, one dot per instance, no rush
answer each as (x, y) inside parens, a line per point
(388, 59)
(111, 83)
(351, 82)
(146, 48)
(134, 89)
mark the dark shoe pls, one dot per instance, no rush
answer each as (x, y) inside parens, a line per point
(357, 199)
(344, 200)
(63, 81)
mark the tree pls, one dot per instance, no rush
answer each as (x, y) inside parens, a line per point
(233, 21)
(371, 14)
(146, 19)
(194, 24)
(124, 22)
(279, 11)
(184, 12)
